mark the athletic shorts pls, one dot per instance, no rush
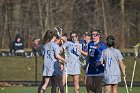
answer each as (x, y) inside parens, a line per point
(114, 79)
(72, 68)
(51, 71)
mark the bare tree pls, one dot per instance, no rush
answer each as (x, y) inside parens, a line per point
(5, 23)
(37, 16)
(123, 24)
(104, 18)
(40, 16)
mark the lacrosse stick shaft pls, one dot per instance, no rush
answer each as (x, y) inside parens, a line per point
(66, 57)
(66, 80)
(126, 85)
(133, 75)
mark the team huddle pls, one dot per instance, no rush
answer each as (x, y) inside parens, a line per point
(63, 57)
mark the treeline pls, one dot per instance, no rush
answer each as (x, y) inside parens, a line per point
(32, 18)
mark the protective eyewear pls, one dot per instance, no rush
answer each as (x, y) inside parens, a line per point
(95, 35)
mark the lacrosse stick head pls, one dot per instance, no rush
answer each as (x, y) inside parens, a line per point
(58, 31)
(83, 60)
(136, 47)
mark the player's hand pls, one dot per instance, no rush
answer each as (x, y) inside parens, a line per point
(65, 61)
(124, 75)
(78, 47)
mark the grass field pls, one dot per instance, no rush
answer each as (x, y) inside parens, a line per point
(22, 69)
(34, 90)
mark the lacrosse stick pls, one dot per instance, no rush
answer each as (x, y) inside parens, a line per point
(66, 57)
(126, 85)
(66, 80)
(136, 55)
(59, 31)
(124, 78)
(83, 60)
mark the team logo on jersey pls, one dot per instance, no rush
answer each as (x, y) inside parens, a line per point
(95, 47)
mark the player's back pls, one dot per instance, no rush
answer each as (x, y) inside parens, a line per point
(50, 58)
(111, 58)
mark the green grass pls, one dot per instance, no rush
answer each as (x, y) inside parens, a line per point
(21, 69)
(34, 90)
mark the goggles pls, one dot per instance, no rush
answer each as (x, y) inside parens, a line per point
(95, 35)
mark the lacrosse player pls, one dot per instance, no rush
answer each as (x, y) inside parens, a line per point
(94, 70)
(51, 68)
(87, 39)
(73, 65)
(112, 59)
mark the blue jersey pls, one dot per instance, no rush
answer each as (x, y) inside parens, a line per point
(95, 52)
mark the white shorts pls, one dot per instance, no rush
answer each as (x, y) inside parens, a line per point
(51, 71)
(72, 68)
(114, 79)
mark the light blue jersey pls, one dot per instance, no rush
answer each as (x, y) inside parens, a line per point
(111, 58)
(51, 64)
(72, 53)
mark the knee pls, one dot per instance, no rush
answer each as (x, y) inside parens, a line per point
(107, 90)
(76, 84)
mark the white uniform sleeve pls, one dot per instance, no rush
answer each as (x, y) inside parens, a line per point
(120, 57)
(56, 49)
(65, 45)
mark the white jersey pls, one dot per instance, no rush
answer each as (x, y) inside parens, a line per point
(51, 64)
(72, 51)
(111, 58)
(51, 49)
(73, 62)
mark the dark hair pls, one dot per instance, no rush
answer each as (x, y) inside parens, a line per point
(35, 39)
(65, 35)
(110, 41)
(73, 32)
(18, 36)
(48, 36)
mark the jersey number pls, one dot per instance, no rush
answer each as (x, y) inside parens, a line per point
(109, 61)
(74, 51)
(91, 52)
(48, 54)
